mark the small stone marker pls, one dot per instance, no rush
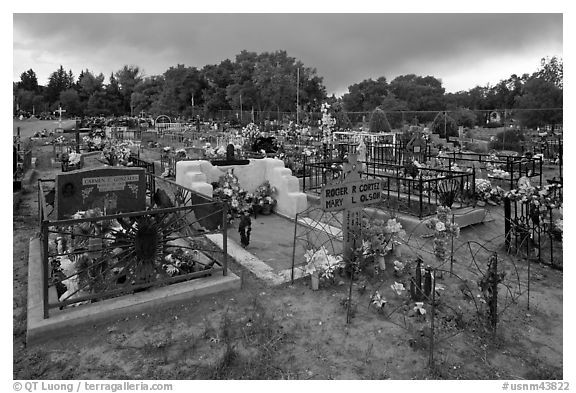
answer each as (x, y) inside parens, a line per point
(351, 195)
(113, 190)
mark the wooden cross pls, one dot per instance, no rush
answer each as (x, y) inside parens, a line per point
(351, 195)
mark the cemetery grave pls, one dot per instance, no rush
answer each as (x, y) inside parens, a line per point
(113, 231)
(415, 303)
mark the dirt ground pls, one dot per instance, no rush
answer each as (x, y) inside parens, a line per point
(286, 332)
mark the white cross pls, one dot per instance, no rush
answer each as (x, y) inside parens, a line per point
(60, 110)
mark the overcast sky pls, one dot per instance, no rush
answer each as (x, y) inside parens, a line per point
(463, 50)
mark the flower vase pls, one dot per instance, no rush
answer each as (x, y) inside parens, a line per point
(315, 281)
(266, 209)
(397, 250)
(381, 261)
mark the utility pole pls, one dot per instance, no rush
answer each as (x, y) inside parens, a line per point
(240, 106)
(297, 95)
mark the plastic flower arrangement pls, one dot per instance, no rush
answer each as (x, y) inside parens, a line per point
(251, 131)
(397, 288)
(379, 236)
(115, 153)
(500, 174)
(95, 142)
(484, 191)
(322, 263)
(181, 262)
(230, 192)
(327, 123)
(541, 199)
(264, 194)
(443, 230)
(378, 300)
(181, 153)
(74, 158)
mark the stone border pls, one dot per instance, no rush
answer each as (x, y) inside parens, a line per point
(66, 321)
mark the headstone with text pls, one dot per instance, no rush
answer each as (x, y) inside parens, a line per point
(113, 190)
(351, 195)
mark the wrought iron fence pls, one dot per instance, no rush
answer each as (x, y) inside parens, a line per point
(533, 231)
(419, 195)
(97, 256)
(515, 167)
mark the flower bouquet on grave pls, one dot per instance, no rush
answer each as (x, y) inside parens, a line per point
(116, 154)
(321, 264)
(443, 229)
(379, 238)
(228, 190)
(263, 200)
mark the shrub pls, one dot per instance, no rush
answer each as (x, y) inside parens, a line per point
(508, 140)
(379, 121)
(444, 125)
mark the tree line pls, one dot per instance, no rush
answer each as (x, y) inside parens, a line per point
(268, 82)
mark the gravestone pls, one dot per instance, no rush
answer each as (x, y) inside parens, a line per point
(351, 195)
(113, 190)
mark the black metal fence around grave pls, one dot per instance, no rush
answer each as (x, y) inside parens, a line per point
(97, 257)
(150, 172)
(387, 153)
(515, 167)
(417, 196)
(533, 231)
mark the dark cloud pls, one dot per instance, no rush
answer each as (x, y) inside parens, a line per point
(344, 48)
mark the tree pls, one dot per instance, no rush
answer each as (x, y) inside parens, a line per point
(181, 83)
(394, 109)
(539, 94)
(444, 125)
(88, 84)
(70, 100)
(28, 81)
(147, 94)
(379, 121)
(366, 95)
(58, 82)
(464, 117)
(420, 93)
(98, 105)
(114, 99)
(128, 77)
(551, 70)
(508, 140)
(217, 78)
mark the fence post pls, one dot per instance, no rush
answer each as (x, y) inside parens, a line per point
(473, 185)
(540, 168)
(421, 202)
(294, 249)
(494, 299)
(304, 175)
(432, 311)
(507, 223)
(44, 258)
(225, 238)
